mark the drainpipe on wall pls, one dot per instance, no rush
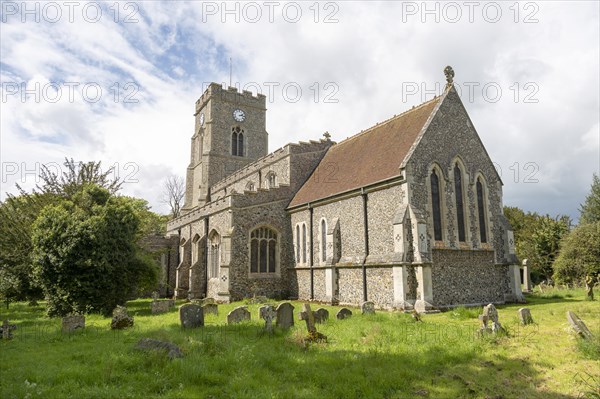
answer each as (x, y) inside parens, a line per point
(312, 283)
(366, 224)
(205, 257)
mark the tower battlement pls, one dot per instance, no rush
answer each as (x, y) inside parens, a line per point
(230, 94)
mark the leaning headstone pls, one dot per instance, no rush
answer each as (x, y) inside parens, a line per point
(73, 322)
(490, 314)
(323, 315)
(191, 316)
(285, 315)
(368, 307)
(7, 329)
(121, 319)
(268, 314)
(157, 307)
(238, 315)
(211, 308)
(579, 326)
(173, 350)
(209, 301)
(308, 316)
(525, 316)
(343, 313)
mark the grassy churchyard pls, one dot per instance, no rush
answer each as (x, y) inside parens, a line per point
(386, 355)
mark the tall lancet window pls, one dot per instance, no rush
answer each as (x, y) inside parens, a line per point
(303, 243)
(435, 206)
(323, 240)
(481, 209)
(240, 144)
(298, 259)
(460, 209)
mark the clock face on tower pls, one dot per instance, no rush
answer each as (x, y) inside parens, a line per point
(239, 115)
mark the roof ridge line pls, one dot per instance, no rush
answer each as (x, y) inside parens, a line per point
(379, 124)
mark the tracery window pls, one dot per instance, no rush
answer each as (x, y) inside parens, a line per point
(263, 250)
(237, 141)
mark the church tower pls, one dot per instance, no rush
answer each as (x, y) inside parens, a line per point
(230, 132)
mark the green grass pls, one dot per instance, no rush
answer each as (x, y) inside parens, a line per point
(386, 355)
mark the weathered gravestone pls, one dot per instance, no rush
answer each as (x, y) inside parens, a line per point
(322, 315)
(157, 307)
(155, 295)
(525, 316)
(121, 318)
(209, 301)
(73, 322)
(191, 315)
(579, 326)
(172, 350)
(368, 307)
(490, 314)
(7, 329)
(308, 316)
(285, 315)
(268, 314)
(238, 315)
(343, 313)
(211, 308)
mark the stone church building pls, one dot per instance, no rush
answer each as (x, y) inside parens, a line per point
(407, 213)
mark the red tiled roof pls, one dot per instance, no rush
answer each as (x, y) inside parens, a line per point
(365, 158)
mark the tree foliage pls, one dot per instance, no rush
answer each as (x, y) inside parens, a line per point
(537, 238)
(86, 255)
(18, 214)
(580, 255)
(590, 209)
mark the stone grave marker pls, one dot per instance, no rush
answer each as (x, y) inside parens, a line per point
(285, 315)
(308, 316)
(191, 315)
(525, 316)
(173, 350)
(7, 329)
(211, 308)
(343, 313)
(209, 301)
(579, 326)
(158, 306)
(238, 315)
(268, 314)
(73, 322)
(323, 315)
(155, 296)
(121, 318)
(368, 307)
(490, 314)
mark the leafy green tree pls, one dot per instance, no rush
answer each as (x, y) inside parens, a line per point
(579, 258)
(546, 242)
(537, 238)
(18, 213)
(86, 254)
(590, 209)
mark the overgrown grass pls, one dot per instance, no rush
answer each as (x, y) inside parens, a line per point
(386, 355)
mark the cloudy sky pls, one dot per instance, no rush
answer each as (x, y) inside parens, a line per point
(117, 82)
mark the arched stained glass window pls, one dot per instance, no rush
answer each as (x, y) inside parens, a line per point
(460, 209)
(435, 206)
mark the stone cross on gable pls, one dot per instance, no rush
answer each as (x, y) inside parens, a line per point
(308, 316)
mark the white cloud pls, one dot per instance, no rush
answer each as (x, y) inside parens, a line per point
(369, 56)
